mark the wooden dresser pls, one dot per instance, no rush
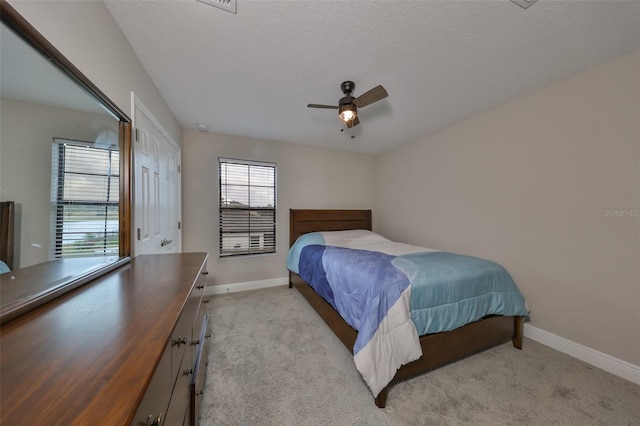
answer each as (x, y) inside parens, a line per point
(128, 348)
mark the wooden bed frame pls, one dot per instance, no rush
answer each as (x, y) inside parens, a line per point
(437, 349)
(6, 232)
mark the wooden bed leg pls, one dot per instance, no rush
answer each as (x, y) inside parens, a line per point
(381, 399)
(517, 332)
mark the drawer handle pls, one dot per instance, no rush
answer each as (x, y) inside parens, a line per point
(205, 273)
(154, 421)
(179, 341)
(207, 335)
(188, 371)
(199, 287)
(196, 342)
(200, 392)
(205, 300)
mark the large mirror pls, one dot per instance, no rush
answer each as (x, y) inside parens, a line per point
(64, 173)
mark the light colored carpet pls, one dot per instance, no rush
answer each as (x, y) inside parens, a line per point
(273, 361)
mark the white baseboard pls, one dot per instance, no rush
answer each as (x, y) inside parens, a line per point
(608, 363)
(250, 285)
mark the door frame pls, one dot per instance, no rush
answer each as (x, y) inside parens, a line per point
(137, 104)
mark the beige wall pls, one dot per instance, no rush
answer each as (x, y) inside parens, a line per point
(307, 178)
(535, 184)
(85, 32)
(26, 132)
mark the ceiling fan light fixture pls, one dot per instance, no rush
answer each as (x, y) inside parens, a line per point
(347, 112)
(348, 105)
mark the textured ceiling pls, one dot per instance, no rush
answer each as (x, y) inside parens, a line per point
(253, 73)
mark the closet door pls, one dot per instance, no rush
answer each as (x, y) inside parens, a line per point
(169, 200)
(156, 189)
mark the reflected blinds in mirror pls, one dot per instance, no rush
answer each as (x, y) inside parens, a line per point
(84, 195)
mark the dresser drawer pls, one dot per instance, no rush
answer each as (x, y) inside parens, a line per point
(177, 411)
(198, 326)
(201, 309)
(182, 337)
(197, 380)
(156, 399)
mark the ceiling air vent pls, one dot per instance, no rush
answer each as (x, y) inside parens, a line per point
(228, 5)
(524, 3)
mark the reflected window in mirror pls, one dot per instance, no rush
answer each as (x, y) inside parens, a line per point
(84, 195)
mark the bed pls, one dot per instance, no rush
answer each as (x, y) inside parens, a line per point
(436, 349)
(6, 235)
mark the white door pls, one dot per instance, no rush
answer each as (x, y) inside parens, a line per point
(169, 202)
(156, 190)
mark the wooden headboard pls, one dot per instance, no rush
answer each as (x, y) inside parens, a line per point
(305, 221)
(6, 232)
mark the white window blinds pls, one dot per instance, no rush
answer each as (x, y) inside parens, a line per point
(85, 196)
(247, 207)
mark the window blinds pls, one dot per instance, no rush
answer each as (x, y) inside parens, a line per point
(85, 196)
(247, 207)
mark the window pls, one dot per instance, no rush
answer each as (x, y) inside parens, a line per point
(85, 195)
(247, 207)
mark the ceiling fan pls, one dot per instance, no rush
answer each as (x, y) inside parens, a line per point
(348, 105)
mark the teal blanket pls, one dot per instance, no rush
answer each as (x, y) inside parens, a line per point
(450, 290)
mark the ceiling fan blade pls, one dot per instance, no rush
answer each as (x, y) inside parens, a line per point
(373, 95)
(353, 122)
(322, 106)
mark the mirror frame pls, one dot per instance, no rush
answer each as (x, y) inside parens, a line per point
(21, 27)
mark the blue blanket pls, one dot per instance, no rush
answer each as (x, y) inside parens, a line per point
(363, 307)
(396, 292)
(450, 290)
